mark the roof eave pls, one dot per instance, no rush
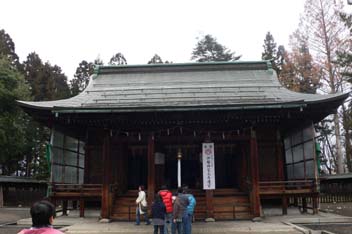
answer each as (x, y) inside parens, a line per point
(184, 108)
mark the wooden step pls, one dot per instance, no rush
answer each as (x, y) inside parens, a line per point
(229, 204)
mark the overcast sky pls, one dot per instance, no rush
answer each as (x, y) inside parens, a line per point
(65, 32)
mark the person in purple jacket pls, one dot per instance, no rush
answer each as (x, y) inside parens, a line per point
(42, 213)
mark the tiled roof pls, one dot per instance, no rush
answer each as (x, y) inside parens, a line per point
(162, 87)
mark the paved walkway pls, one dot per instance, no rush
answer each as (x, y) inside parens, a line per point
(273, 222)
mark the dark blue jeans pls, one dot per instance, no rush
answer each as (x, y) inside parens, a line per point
(176, 227)
(138, 217)
(187, 224)
(160, 228)
(168, 223)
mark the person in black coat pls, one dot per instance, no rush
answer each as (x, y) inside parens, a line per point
(158, 214)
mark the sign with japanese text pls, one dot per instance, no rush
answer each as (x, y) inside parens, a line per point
(208, 166)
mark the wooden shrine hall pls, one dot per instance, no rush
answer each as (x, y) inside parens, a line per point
(148, 125)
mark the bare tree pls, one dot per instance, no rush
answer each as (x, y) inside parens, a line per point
(326, 33)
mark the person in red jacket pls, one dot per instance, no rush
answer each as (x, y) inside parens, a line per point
(166, 196)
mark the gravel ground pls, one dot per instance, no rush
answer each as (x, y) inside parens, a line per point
(344, 209)
(337, 208)
(332, 227)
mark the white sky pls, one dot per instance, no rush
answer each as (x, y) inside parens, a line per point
(64, 32)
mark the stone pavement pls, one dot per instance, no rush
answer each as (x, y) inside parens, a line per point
(12, 214)
(273, 222)
(91, 225)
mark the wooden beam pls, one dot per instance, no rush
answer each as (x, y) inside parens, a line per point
(209, 194)
(105, 199)
(255, 199)
(151, 169)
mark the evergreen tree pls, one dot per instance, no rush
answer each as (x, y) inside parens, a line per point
(272, 53)
(47, 82)
(118, 59)
(269, 47)
(155, 60)
(81, 77)
(280, 58)
(33, 70)
(12, 136)
(7, 49)
(209, 50)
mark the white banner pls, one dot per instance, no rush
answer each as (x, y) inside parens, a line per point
(208, 166)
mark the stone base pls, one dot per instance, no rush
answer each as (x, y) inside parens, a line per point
(104, 220)
(257, 219)
(209, 220)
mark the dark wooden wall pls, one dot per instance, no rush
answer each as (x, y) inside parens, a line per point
(269, 154)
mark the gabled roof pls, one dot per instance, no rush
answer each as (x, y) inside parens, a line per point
(190, 86)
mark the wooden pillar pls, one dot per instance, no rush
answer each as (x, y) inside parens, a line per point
(280, 157)
(105, 198)
(209, 194)
(86, 176)
(1, 196)
(81, 207)
(315, 201)
(304, 204)
(284, 205)
(254, 168)
(64, 207)
(244, 171)
(151, 169)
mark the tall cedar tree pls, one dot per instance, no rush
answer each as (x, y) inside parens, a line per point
(270, 51)
(326, 33)
(81, 77)
(7, 49)
(209, 50)
(275, 55)
(46, 82)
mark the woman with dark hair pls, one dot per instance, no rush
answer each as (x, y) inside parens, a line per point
(43, 213)
(158, 214)
(142, 205)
